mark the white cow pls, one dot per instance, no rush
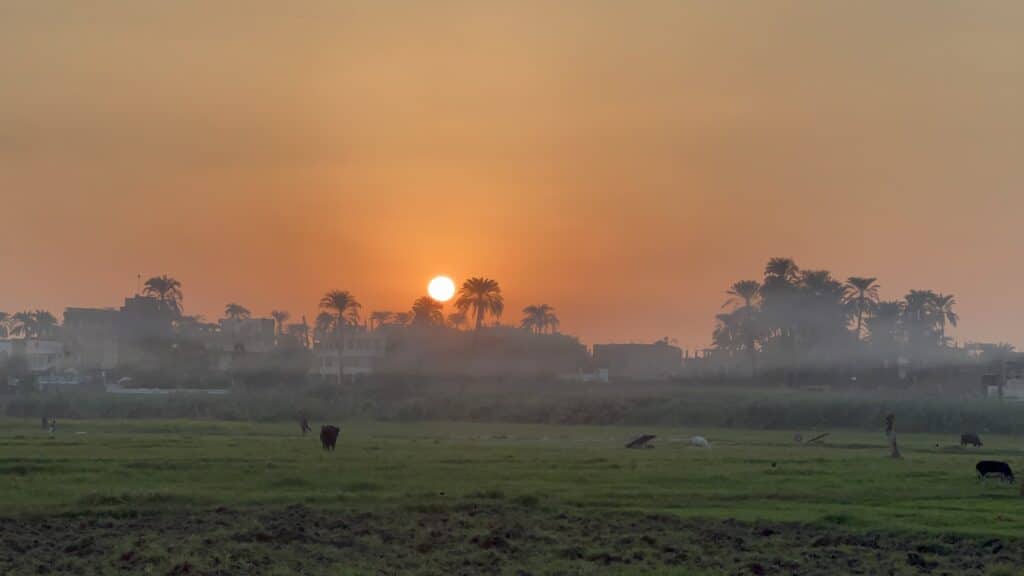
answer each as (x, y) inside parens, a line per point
(700, 442)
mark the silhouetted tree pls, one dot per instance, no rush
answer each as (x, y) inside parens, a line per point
(427, 312)
(167, 290)
(323, 327)
(346, 312)
(540, 319)
(343, 305)
(944, 311)
(236, 312)
(483, 297)
(380, 317)
(743, 293)
(921, 319)
(402, 318)
(861, 296)
(5, 320)
(33, 324)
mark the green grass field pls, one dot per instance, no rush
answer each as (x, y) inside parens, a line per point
(404, 476)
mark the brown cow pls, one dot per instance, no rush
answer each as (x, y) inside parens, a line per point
(329, 436)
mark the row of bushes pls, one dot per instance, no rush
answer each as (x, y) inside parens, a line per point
(398, 399)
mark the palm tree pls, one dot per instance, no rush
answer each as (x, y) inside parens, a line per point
(280, 317)
(483, 297)
(46, 324)
(343, 305)
(323, 326)
(23, 324)
(861, 295)
(784, 269)
(33, 324)
(743, 291)
(346, 312)
(380, 317)
(884, 324)
(427, 312)
(539, 319)
(943, 304)
(402, 318)
(727, 333)
(921, 316)
(236, 312)
(167, 290)
(778, 302)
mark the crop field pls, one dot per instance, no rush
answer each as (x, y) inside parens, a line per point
(209, 497)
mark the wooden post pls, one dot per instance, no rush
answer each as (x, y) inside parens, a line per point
(890, 434)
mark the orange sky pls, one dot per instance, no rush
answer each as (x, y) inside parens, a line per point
(622, 161)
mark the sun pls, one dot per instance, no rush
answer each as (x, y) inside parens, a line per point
(441, 288)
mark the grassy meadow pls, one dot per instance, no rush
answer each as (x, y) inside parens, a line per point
(390, 474)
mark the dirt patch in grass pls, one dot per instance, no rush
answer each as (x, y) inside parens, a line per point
(472, 537)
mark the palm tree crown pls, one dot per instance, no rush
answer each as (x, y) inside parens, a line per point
(427, 312)
(745, 291)
(33, 324)
(167, 290)
(343, 305)
(483, 297)
(236, 312)
(540, 319)
(861, 296)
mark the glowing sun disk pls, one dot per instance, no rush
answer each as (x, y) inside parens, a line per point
(441, 288)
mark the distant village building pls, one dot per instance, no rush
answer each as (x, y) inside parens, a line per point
(91, 338)
(41, 356)
(639, 361)
(363, 353)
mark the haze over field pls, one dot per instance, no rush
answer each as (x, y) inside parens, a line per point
(624, 162)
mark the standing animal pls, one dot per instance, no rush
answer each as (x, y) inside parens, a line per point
(700, 442)
(641, 441)
(970, 438)
(329, 436)
(994, 468)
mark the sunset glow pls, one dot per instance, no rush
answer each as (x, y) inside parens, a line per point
(441, 288)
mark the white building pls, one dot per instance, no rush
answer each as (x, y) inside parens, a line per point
(363, 354)
(41, 356)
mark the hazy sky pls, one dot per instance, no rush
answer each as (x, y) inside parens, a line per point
(621, 161)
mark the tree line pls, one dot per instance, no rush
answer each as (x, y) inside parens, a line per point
(479, 300)
(795, 317)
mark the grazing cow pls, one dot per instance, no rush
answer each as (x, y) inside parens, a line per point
(970, 438)
(642, 441)
(994, 468)
(329, 436)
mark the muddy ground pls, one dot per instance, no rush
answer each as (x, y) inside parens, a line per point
(472, 538)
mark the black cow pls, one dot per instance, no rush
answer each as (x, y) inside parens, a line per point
(970, 438)
(994, 468)
(329, 436)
